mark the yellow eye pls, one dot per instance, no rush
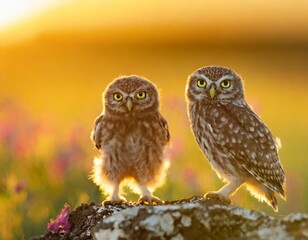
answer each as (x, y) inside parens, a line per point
(225, 84)
(117, 96)
(201, 83)
(141, 95)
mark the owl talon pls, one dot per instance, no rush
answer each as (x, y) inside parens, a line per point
(218, 196)
(150, 200)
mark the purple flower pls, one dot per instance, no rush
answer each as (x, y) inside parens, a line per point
(61, 224)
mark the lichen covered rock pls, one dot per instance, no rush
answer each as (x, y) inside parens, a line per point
(194, 218)
(200, 220)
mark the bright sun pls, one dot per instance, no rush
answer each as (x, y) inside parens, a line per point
(12, 11)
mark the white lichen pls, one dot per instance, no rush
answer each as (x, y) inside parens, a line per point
(277, 233)
(108, 234)
(120, 217)
(296, 217)
(151, 223)
(175, 207)
(100, 210)
(177, 237)
(186, 221)
(116, 219)
(247, 214)
(167, 223)
(176, 214)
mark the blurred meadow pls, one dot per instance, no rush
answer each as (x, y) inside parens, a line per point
(57, 57)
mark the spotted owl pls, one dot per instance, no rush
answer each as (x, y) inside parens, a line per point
(239, 146)
(131, 135)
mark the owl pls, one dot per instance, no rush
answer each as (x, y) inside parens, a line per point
(131, 135)
(239, 146)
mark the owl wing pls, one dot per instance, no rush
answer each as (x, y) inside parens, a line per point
(164, 124)
(248, 141)
(97, 131)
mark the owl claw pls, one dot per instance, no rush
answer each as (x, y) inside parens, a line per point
(150, 200)
(218, 196)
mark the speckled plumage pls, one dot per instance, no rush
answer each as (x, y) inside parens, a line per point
(238, 145)
(131, 135)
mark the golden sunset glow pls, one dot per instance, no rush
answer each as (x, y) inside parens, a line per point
(157, 20)
(57, 57)
(14, 11)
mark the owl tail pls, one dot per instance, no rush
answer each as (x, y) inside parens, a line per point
(271, 200)
(263, 193)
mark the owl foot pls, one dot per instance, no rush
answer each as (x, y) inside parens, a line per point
(150, 200)
(114, 202)
(218, 196)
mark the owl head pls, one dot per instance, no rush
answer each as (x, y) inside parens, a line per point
(130, 95)
(214, 83)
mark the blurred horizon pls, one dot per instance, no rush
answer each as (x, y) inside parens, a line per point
(162, 21)
(56, 60)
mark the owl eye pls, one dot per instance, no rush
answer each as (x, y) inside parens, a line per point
(201, 83)
(117, 96)
(225, 84)
(141, 95)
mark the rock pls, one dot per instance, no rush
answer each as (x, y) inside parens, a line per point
(194, 218)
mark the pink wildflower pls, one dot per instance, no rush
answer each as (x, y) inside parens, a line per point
(61, 224)
(176, 150)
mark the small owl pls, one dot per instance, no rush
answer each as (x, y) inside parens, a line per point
(238, 145)
(131, 135)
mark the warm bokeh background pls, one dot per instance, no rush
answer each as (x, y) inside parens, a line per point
(56, 59)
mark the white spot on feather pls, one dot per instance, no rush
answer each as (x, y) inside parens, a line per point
(210, 127)
(260, 134)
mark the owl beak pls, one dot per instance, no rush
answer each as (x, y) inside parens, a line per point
(129, 103)
(212, 92)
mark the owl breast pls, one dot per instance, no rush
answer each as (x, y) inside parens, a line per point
(213, 130)
(131, 145)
